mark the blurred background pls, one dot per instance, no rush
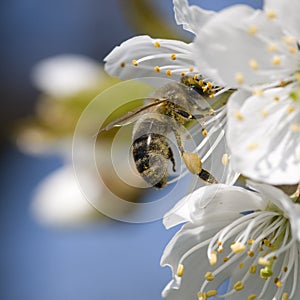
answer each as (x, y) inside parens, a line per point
(53, 244)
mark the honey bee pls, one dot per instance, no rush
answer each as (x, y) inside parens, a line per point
(169, 108)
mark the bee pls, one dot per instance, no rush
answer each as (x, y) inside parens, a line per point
(169, 108)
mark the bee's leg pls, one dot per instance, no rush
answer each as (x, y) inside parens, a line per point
(207, 177)
(171, 157)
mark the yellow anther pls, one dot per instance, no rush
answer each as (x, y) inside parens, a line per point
(211, 293)
(209, 85)
(264, 262)
(289, 40)
(157, 69)
(135, 63)
(292, 50)
(252, 146)
(225, 159)
(276, 60)
(252, 29)
(201, 296)
(122, 64)
(204, 132)
(264, 113)
(238, 286)
(239, 78)
(225, 259)
(252, 269)
(209, 276)
(258, 92)
(271, 14)
(191, 69)
(219, 243)
(285, 269)
(180, 270)
(250, 242)
(173, 56)
(241, 265)
(238, 247)
(251, 297)
(157, 44)
(169, 72)
(253, 64)
(238, 115)
(251, 253)
(285, 296)
(213, 258)
(182, 74)
(297, 76)
(277, 282)
(276, 98)
(290, 109)
(267, 243)
(196, 76)
(272, 47)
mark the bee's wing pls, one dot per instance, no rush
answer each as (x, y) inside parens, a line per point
(131, 116)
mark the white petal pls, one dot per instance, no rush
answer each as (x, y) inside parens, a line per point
(264, 137)
(287, 14)
(234, 47)
(191, 17)
(66, 74)
(211, 201)
(59, 201)
(143, 56)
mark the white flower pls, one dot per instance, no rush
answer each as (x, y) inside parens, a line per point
(231, 233)
(66, 74)
(258, 51)
(143, 56)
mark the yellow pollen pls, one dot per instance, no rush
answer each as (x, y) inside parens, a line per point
(182, 74)
(238, 286)
(290, 109)
(239, 78)
(292, 50)
(209, 276)
(220, 249)
(219, 243)
(271, 14)
(252, 146)
(272, 47)
(238, 115)
(276, 98)
(191, 69)
(263, 262)
(285, 268)
(238, 247)
(135, 63)
(251, 253)
(157, 69)
(252, 269)
(289, 40)
(211, 293)
(169, 72)
(241, 265)
(250, 242)
(122, 64)
(251, 297)
(173, 56)
(213, 258)
(264, 113)
(276, 60)
(204, 132)
(196, 76)
(157, 44)
(253, 64)
(225, 159)
(295, 127)
(258, 92)
(180, 270)
(285, 296)
(252, 29)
